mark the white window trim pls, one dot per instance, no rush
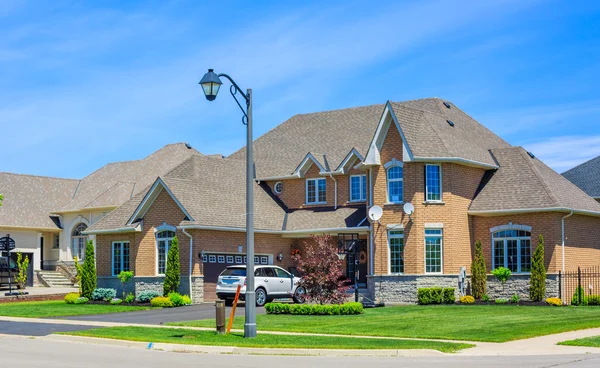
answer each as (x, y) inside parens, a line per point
(389, 249)
(363, 194)
(510, 226)
(316, 190)
(388, 166)
(427, 200)
(112, 255)
(505, 246)
(441, 251)
(275, 187)
(166, 248)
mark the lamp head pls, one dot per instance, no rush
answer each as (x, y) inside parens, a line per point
(210, 83)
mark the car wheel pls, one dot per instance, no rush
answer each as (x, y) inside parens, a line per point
(228, 302)
(299, 295)
(261, 297)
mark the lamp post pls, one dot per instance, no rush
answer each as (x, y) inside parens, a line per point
(211, 83)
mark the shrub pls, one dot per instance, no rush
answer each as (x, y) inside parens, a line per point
(314, 309)
(579, 297)
(467, 299)
(173, 272)
(478, 272)
(449, 296)
(81, 300)
(130, 298)
(104, 294)
(179, 300)
(88, 277)
(424, 296)
(116, 301)
(22, 265)
(594, 300)
(502, 274)
(437, 295)
(501, 301)
(147, 295)
(554, 301)
(70, 298)
(485, 298)
(124, 277)
(187, 300)
(515, 299)
(161, 301)
(537, 279)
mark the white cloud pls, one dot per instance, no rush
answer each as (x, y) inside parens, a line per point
(565, 152)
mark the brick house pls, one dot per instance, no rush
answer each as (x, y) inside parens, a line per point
(587, 177)
(320, 173)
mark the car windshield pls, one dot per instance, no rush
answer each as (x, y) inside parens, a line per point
(234, 272)
(4, 265)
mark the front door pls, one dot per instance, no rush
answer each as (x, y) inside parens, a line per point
(42, 253)
(352, 264)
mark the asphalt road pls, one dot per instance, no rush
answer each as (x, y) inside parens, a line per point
(21, 352)
(35, 329)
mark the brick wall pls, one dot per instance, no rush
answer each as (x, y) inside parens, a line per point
(582, 242)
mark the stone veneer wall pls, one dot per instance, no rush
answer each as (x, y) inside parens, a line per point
(402, 289)
(144, 283)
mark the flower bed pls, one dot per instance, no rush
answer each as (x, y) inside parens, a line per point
(107, 296)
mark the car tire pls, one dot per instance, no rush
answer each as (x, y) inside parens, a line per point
(228, 302)
(299, 295)
(261, 297)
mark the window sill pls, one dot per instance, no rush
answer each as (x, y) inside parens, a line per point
(314, 203)
(438, 203)
(393, 203)
(358, 201)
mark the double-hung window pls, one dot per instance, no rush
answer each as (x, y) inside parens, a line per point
(395, 184)
(358, 188)
(512, 249)
(163, 242)
(396, 242)
(433, 250)
(120, 257)
(433, 183)
(315, 191)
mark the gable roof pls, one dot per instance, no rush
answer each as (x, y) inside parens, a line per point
(29, 200)
(525, 184)
(586, 176)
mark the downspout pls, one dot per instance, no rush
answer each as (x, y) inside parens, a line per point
(563, 250)
(334, 191)
(190, 269)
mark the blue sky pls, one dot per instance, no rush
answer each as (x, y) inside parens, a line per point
(86, 83)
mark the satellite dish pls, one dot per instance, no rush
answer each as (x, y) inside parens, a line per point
(375, 213)
(409, 209)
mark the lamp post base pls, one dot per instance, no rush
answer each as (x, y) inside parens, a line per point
(250, 324)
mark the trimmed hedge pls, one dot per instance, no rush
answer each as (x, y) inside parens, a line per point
(435, 295)
(314, 309)
(594, 300)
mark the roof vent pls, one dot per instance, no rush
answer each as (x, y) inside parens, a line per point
(189, 146)
(530, 154)
(446, 104)
(450, 122)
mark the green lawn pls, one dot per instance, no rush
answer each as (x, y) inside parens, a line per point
(58, 308)
(194, 337)
(587, 341)
(454, 322)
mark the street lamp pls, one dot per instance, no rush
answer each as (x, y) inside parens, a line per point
(211, 82)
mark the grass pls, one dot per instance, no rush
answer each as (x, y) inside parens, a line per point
(452, 322)
(195, 337)
(593, 342)
(58, 308)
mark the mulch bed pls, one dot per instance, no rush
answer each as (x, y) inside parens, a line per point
(133, 304)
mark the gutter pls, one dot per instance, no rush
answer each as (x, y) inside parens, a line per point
(563, 250)
(530, 210)
(459, 160)
(285, 177)
(114, 231)
(278, 232)
(190, 269)
(334, 191)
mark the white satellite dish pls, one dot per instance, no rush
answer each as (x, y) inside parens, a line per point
(375, 213)
(409, 209)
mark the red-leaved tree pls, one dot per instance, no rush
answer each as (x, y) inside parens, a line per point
(322, 271)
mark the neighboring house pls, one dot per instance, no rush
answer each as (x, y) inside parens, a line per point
(587, 177)
(319, 173)
(47, 217)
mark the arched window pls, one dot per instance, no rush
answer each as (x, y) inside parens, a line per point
(163, 242)
(511, 248)
(395, 184)
(78, 241)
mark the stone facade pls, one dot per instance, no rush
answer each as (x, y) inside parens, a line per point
(140, 284)
(519, 285)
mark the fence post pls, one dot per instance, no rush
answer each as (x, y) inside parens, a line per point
(579, 289)
(560, 286)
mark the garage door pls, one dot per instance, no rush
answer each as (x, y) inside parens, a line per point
(215, 263)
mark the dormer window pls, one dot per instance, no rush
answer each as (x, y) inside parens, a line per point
(315, 191)
(395, 184)
(358, 188)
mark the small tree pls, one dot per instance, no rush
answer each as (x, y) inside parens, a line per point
(88, 276)
(79, 269)
(502, 274)
(322, 271)
(537, 279)
(478, 272)
(22, 265)
(124, 277)
(1, 199)
(173, 272)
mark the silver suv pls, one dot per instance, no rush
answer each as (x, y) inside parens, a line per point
(271, 282)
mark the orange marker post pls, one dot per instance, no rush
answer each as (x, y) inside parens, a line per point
(235, 301)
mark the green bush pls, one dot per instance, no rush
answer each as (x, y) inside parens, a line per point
(478, 272)
(449, 296)
(501, 301)
(437, 295)
(187, 300)
(161, 301)
(515, 299)
(314, 309)
(179, 300)
(130, 298)
(88, 278)
(81, 300)
(485, 298)
(70, 298)
(116, 301)
(537, 279)
(424, 296)
(173, 272)
(593, 300)
(124, 277)
(147, 295)
(579, 297)
(502, 274)
(104, 294)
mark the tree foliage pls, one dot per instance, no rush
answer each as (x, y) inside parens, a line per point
(124, 277)
(537, 281)
(88, 275)
(22, 265)
(1, 199)
(173, 272)
(478, 272)
(322, 271)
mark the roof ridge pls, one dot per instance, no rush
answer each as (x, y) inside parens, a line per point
(581, 164)
(534, 169)
(39, 176)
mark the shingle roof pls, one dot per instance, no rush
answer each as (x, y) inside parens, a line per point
(343, 217)
(115, 183)
(28, 199)
(523, 182)
(586, 176)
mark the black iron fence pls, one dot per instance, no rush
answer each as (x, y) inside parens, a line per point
(576, 287)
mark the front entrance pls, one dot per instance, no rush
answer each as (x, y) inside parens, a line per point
(351, 264)
(215, 263)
